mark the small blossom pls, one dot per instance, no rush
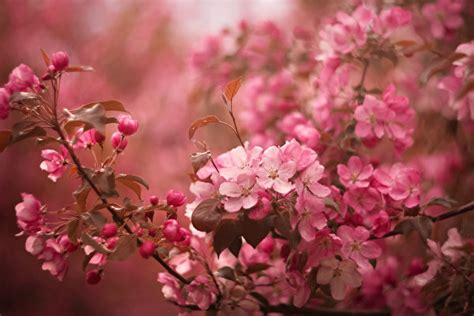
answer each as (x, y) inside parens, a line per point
(200, 293)
(4, 103)
(127, 125)
(35, 245)
(274, 173)
(28, 213)
(340, 275)
(55, 163)
(119, 142)
(20, 79)
(356, 246)
(60, 61)
(175, 198)
(240, 194)
(355, 174)
(171, 230)
(67, 244)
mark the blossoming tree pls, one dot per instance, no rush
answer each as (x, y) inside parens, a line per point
(328, 205)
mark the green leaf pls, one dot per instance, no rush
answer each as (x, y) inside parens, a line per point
(422, 224)
(90, 117)
(207, 216)
(125, 247)
(133, 183)
(97, 219)
(254, 231)
(226, 232)
(105, 182)
(73, 229)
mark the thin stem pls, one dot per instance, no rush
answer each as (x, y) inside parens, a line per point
(91, 183)
(236, 129)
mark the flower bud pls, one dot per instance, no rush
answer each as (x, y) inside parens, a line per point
(98, 137)
(34, 245)
(67, 244)
(417, 266)
(127, 125)
(119, 142)
(111, 243)
(147, 249)
(171, 230)
(21, 78)
(175, 198)
(93, 277)
(109, 230)
(154, 200)
(60, 61)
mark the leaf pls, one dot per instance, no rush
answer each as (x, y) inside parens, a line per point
(206, 216)
(18, 97)
(109, 105)
(440, 66)
(24, 130)
(231, 89)
(133, 183)
(422, 224)
(125, 247)
(201, 123)
(226, 273)
(45, 57)
(328, 202)
(80, 195)
(257, 267)
(282, 224)
(254, 231)
(97, 219)
(73, 229)
(105, 182)
(444, 202)
(79, 69)
(235, 246)
(406, 43)
(90, 117)
(88, 240)
(199, 160)
(5, 137)
(468, 87)
(226, 232)
(46, 140)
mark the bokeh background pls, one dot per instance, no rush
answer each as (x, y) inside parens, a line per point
(141, 51)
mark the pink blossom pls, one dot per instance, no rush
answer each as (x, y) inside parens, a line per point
(93, 276)
(451, 248)
(119, 142)
(60, 61)
(86, 139)
(55, 163)
(240, 194)
(356, 246)
(200, 292)
(444, 17)
(302, 155)
(355, 174)
(35, 244)
(371, 117)
(171, 289)
(67, 244)
(301, 288)
(171, 230)
(380, 224)
(28, 213)
(54, 261)
(324, 245)
(239, 161)
(362, 201)
(340, 275)
(20, 79)
(406, 185)
(127, 125)
(464, 64)
(274, 173)
(263, 207)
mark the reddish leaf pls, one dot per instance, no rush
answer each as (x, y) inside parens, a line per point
(47, 62)
(73, 229)
(257, 267)
(88, 240)
(125, 247)
(440, 66)
(226, 232)
(226, 273)
(206, 216)
(133, 183)
(80, 195)
(105, 182)
(79, 69)
(231, 89)
(109, 105)
(201, 123)
(199, 160)
(254, 231)
(5, 137)
(422, 224)
(90, 117)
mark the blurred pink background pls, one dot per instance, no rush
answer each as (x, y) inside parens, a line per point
(140, 50)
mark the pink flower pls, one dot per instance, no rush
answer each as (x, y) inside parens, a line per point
(324, 245)
(362, 201)
(55, 163)
(393, 18)
(444, 17)
(147, 249)
(240, 194)
(355, 174)
(451, 248)
(263, 207)
(274, 173)
(201, 293)
(171, 289)
(127, 125)
(67, 244)
(356, 246)
(464, 64)
(406, 185)
(4, 103)
(35, 244)
(171, 230)
(54, 261)
(28, 213)
(302, 155)
(340, 275)
(87, 139)
(301, 288)
(380, 224)
(60, 61)
(119, 142)
(175, 198)
(20, 79)
(308, 182)
(371, 117)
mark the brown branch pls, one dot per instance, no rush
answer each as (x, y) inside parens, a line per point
(91, 183)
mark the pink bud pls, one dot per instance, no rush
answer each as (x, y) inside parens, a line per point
(171, 230)
(98, 137)
(152, 232)
(67, 244)
(119, 142)
(175, 198)
(111, 243)
(60, 60)
(147, 249)
(127, 125)
(34, 245)
(93, 277)
(109, 230)
(417, 266)
(51, 69)
(154, 200)
(185, 237)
